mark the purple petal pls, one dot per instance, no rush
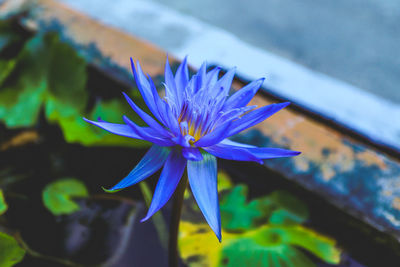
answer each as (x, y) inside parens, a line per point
(263, 152)
(145, 89)
(147, 118)
(182, 77)
(169, 118)
(198, 80)
(231, 115)
(254, 117)
(115, 128)
(171, 91)
(242, 97)
(232, 153)
(212, 77)
(159, 103)
(150, 163)
(270, 153)
(225, 82)
(233, 143)
(183, 140)
(169, 179)
(203, 182)
(215, 136)
(148, 134)
(192, 153)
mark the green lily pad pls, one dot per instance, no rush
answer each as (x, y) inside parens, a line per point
(51, 75)
(279, 207)
(267, 245)
(10, 252)
(236, 213)
(6, 67)
(265, 231)
(75, 129)
(58, 196)
(19, 107)
(48, 70)
(286, 209)
(3, 204)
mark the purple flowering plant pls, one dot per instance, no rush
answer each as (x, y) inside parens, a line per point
(189, 129)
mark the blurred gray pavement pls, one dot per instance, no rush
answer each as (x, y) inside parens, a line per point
(357, 41)
(339, 58)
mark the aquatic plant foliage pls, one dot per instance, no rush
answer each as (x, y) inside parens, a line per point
(269, 237)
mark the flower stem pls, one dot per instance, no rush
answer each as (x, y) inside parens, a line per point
(175, 219)
(158, 219)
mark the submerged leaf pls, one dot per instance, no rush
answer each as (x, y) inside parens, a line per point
(75, 129)
(266, 231)
(236, 214)
(6, 67)
(51, 75)
(287, 209)
(279, 207)
(10, 252)
(265, 246)
(48, 70)
(19, 107)
(57, 196)
(3, 204)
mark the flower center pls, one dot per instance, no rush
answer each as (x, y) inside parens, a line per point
(192, 123)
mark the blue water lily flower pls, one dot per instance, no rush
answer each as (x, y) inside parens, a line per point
(190, 128)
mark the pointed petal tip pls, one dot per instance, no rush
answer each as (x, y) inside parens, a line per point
(145, 218)
(90, 121)
(128, 99)
(110, 190)
(232, 70)
(219, 237)
(217, 232)
(132, 65)
(126, 119)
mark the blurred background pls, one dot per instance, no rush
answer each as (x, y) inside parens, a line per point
(338, 58)
(338, 62)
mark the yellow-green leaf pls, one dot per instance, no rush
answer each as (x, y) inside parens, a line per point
(10, 252)
(265, 246)
(76, 130)
(3, 204)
